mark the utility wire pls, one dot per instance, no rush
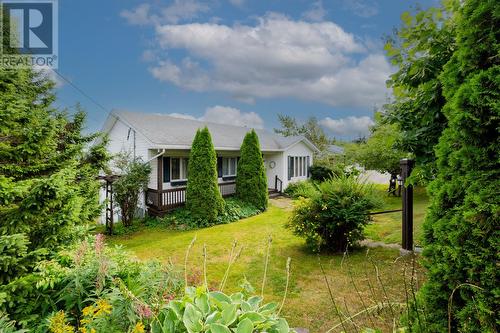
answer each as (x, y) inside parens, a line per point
(80, 91)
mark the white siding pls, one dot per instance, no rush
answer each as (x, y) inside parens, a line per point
(275, 159)
(299, 149)
(120, 140)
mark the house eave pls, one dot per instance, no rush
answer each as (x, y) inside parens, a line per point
(188, 147)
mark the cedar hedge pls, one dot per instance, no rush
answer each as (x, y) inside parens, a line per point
(251, 180)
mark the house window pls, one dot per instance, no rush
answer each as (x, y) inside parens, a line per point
(179, 168)
(229, 166)
(297, 166)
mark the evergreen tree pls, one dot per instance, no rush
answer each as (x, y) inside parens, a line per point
(48, 190)
(203, 198)
(462, 228)
(251, 180)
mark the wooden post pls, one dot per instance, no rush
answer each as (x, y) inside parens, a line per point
(407, 198)
(160, 181)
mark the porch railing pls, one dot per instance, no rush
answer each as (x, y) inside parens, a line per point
(175, 197)
(278, 184)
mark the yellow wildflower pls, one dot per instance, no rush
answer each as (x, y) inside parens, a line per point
(139, 328)
(89, 310)
(103, 307)
(58, 324)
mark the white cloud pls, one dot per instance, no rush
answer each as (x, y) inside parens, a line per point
(278, 57)
(237, 3)
(348, 127)
(362, 8)
(183, 10)
(226, 115)
(138, 15)
(317, 12)
(179, 10)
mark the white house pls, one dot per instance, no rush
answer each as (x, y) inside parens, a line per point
(165, 141)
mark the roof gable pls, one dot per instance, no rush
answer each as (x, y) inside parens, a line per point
(164, 131)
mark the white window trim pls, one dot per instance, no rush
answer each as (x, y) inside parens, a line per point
(235, 166)
(299, 167)
(182, 161)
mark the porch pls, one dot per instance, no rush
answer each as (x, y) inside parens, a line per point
(159, 202)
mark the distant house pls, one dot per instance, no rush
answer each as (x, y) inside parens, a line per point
(165, 142)
(334, 149)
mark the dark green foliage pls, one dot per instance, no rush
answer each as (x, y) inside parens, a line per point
(302, 189)
(334, 218)
(181, 218)
(48, 191)
(203, 198)
(420, 49)
(251, 180)
(462, 228)
(320, 172)
(126, 189)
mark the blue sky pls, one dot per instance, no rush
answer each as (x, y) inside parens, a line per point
(233, 61)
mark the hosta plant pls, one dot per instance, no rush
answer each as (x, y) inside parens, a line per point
(215, 312)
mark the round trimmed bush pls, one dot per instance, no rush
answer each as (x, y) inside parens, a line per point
(334, 218)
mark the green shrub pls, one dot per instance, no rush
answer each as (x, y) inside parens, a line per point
(251, 180)
(126, 189)
(203, 198)
(334, 218)
(90, 275)
(202, 311)
(462, 227)
(181, 218)
(304, 189)
(321, 172)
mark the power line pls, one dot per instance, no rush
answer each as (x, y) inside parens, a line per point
(80, 91)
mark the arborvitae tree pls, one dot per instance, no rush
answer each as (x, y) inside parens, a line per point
(48, 191)
(462, 228)
(251, 180)
(203, 198)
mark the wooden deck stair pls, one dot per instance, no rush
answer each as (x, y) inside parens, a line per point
(273, 193)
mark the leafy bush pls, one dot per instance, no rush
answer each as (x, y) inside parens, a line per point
(181, 218)
(251, 180)
(94, 288)
(321, 172)
(203, 198)
(334, 218)
(202, 311)
(89, 280)
(126, 189)
(304, 189)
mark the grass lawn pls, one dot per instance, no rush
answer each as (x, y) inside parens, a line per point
(353, 279)
(387, 227)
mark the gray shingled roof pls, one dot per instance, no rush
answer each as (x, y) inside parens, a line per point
(165, 131)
